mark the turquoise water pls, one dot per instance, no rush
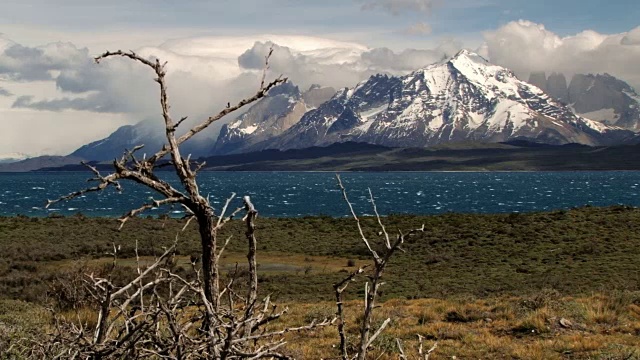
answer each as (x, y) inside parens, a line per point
(293, 194)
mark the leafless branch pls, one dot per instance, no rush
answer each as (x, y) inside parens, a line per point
(266, 67)
(371, 290)
(401, 350)
(339, 288)
(154, 204)
(423, 355)
(375, 210)
(357, 220)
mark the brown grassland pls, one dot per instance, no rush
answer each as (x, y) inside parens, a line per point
(554, 285)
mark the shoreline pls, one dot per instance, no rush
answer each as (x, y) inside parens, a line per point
(54, 213)
(349, 171)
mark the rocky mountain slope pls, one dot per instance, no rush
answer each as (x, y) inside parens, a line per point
(603, 98)
(463, 98)
(270, 117)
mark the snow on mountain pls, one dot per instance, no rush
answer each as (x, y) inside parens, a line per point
(463, 98)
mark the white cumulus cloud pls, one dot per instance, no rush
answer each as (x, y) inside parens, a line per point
(526, 46)
(632, 37)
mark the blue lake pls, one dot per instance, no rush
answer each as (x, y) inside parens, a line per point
(294, 194)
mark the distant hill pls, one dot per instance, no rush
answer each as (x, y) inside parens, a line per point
(511, 156)
(40, 162)
(517, 155)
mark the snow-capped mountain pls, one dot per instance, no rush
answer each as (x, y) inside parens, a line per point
(463, 98)
(281, 109)
(603, 98)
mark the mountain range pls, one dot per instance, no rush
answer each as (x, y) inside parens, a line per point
(462, 99)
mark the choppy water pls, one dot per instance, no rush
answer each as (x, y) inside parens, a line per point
(293, 194)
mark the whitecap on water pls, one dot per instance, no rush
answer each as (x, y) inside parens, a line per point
(37, 188)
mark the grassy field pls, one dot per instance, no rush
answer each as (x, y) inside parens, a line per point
(541, 327)
(484, 286)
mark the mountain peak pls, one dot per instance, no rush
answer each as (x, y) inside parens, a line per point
(469, 55)
(285, 88)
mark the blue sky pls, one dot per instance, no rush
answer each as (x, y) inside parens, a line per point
(465, 19)
(54, 90)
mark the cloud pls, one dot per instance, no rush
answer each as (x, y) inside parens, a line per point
(5, 92)
(397, 7)
(198, 68)
(632, 37)
(338, 67)
(420, 28)
(332, 67)
(386, 60)
(94, 103)
(22, 63)
(526, 46)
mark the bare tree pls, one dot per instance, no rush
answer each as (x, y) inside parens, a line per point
(143, 171)
(380, 262)
(162, 314)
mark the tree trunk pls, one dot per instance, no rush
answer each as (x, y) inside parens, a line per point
(368, 312)
(210, 276)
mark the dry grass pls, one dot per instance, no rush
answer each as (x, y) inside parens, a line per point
(498, 328)
(268, 262)
(599, 327)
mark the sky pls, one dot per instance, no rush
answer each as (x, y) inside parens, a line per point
(54, 99)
